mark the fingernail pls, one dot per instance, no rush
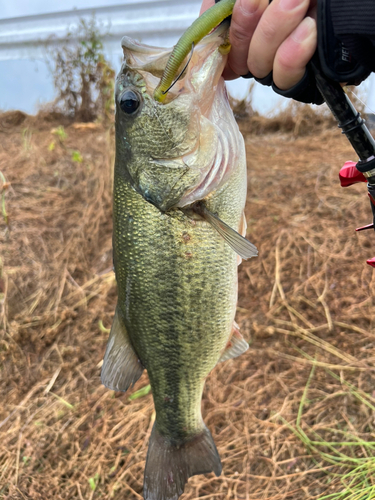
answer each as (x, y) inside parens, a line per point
(304, 30)
(249, 7)
(290, 4)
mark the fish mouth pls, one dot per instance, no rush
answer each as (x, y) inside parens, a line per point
(151, 61)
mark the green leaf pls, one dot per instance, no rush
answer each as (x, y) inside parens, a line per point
(77, 157)
(60, 133)
(93, 481)
(142, 392)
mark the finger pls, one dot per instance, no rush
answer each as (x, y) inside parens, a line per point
(276, 24)
(206, 4)
(294, 53)
(245, 17)
(229, 74)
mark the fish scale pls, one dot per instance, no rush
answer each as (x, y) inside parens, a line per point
(175, 271)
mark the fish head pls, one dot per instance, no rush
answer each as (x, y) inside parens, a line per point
(165, 149)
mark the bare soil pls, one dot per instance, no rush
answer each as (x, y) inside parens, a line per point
(307, 300)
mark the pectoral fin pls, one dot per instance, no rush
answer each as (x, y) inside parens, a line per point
(238, 243)
(242, 231)
(121, 365)
(236, 346)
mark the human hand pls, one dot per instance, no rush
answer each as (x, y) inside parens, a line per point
(280, 37)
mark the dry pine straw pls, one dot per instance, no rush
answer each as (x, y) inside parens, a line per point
(64, 436)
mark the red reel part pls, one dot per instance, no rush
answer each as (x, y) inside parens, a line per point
(350, 175)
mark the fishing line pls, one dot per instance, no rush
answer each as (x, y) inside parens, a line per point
(347, 89)
(179, 76)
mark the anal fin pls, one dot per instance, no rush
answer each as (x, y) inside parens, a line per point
(121, 365)
(236, 346)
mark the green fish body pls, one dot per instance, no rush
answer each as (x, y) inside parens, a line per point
(176, 274)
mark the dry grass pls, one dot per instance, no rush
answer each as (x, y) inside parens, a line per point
(306, 301)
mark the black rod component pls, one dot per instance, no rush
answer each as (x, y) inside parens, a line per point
(345, 113)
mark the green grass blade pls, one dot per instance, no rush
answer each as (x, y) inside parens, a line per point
(140, 393)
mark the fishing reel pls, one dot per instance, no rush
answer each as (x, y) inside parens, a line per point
(354, 128)
(363, 171)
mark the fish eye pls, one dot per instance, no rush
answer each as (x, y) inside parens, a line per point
(129, 102)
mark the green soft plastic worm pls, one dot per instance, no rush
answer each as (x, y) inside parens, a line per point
(199, 29)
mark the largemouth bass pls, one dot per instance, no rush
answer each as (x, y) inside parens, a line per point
(179, 197)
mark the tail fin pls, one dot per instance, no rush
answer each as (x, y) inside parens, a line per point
(168, 467)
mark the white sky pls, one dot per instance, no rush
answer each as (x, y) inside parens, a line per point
(19, 8)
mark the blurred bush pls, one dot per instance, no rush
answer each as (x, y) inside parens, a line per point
(83, 78)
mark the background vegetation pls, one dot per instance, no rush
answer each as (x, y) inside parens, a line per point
(83, 78)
